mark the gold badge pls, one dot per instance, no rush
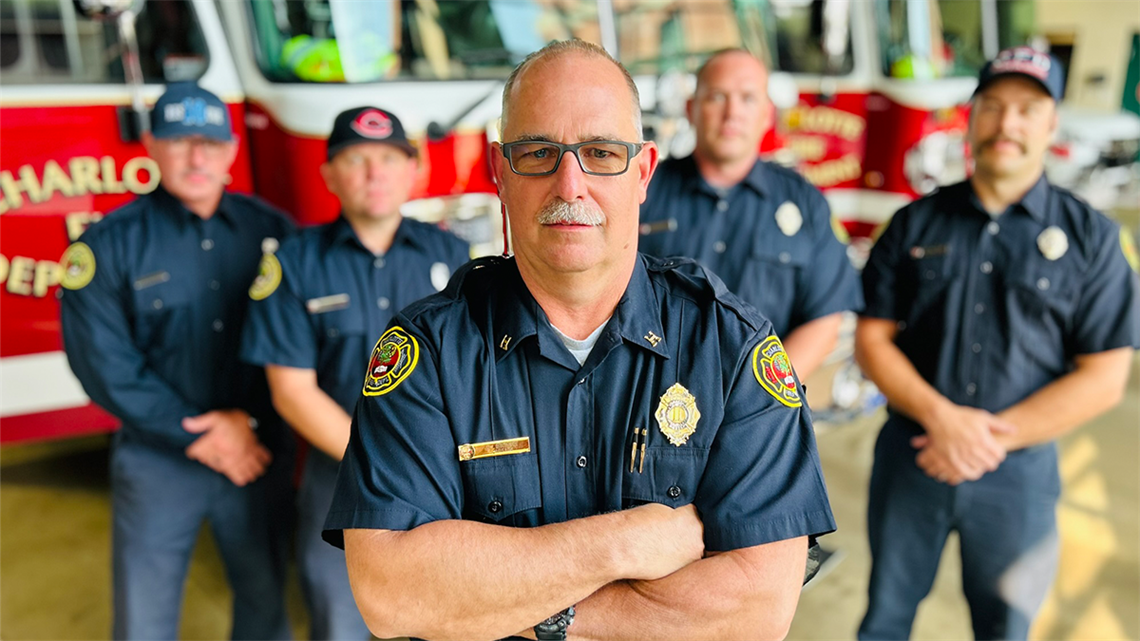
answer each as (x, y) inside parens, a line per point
(773, 371)
(1128, 246)
(472, 451)
(789, 219)
(677, 414)
(393, 359)
(268, 278)
(1053, 242)
(78, 264)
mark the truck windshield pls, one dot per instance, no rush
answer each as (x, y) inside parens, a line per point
(347, 41)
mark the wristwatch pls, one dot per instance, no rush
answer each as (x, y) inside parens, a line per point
(554, 628)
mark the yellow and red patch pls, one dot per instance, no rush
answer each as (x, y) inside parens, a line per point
(78, 264)
(773, 371)
(393, 359)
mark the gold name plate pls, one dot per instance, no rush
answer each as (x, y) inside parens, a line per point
(471, 451)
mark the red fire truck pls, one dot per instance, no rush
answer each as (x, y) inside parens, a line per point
(874, 117)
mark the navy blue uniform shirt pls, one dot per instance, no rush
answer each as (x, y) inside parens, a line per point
(771, 239)
(152, 308)
(474, 409)
(991, 310)
(335, 297)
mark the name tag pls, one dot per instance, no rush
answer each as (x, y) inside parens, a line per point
(658, 227)
(151, 280)
(327, 303)
(471, 451)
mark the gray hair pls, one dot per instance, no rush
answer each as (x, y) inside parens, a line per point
(559, 48)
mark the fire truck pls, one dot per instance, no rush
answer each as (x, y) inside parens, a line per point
(871, 112)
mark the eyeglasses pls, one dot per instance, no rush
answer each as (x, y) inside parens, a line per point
(595, 157)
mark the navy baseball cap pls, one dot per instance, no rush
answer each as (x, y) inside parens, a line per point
(367, 124)
(1028, 63)
(189, 110)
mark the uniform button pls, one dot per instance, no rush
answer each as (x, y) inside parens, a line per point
(979, 308)
(333, 332)
(722, 205)
(207, 244)
(976, 348)
(378, 263)
(383, 302)
(902, 325)
(581, 462)
(218, 325)
(719, 247)
(494, 507)
(785, 257)
(1042, 284)
(215, 285)
(970, 389)
(929, 274)
(673, 491)
(993, 228)
(987, 267)
(157, 304)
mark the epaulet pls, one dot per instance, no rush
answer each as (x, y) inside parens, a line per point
(697, 282)
(474, 279)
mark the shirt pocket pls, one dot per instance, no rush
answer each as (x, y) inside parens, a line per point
(928, 278)
(1041, 301)
(162, 310)
(501, 489)
(769, 279)
(335, 317)
(670, 476)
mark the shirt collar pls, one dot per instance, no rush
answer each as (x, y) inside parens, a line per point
(168, 202)
(637, 318)
(341, 231)
(1034, 202)
(756, 179)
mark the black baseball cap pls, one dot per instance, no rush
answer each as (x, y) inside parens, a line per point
(186, 109)
(367, 124)
(1026, 62)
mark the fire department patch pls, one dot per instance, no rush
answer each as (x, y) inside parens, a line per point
(268, 278)
(677, 414)
(1128, 247)
(78, 264)
(774, 371)
(393, 359)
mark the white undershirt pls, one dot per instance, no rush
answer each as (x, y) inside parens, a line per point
(580, 350)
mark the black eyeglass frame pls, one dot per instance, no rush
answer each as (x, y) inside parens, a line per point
(633, 148)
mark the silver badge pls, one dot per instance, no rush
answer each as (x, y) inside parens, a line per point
(789, 219)
(1053, 242)
(269, 245)
(440, 273)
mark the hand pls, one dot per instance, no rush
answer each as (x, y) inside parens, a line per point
(664, 540)
(227, 445)
(960, 443)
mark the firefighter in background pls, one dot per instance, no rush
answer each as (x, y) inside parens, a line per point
(324, 297)
(762, 228)
(153, 300)
(1001, 314)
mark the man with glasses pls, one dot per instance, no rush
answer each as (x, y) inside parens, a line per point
(153, 301)
(311, 327)
(578, 439)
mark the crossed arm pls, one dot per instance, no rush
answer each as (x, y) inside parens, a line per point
(638, 573)
(963, 443)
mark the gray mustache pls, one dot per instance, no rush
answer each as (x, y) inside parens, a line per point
(561, 212)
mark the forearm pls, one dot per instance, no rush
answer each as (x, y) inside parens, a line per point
(726, 596)
(896, 377)
(1051, 412)
(809, 344)
(316, 417)
(467, 580)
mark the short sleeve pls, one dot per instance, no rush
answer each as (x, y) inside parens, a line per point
(401, 468)
(831, 284)
(1108, 313)
(768, 485)
(278, 330)
(880, 274)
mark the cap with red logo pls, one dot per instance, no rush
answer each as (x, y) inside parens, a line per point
(1028, 63)
(367, 124)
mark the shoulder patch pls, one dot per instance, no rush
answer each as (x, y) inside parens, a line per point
(78, 264)
(840, 231)
(1128, 248)
(393, 359)
(773, 371)
(268, 277)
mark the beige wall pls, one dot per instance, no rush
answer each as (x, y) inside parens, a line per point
(1102, 34)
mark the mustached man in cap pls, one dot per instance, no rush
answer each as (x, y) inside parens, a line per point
(153, 301)
(334, 289)
(1001, 313)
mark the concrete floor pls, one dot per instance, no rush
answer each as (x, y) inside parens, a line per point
(55, 544)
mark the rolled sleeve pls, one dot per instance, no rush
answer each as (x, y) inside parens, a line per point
(880, 274)
(831, 285)
(1108, 314)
